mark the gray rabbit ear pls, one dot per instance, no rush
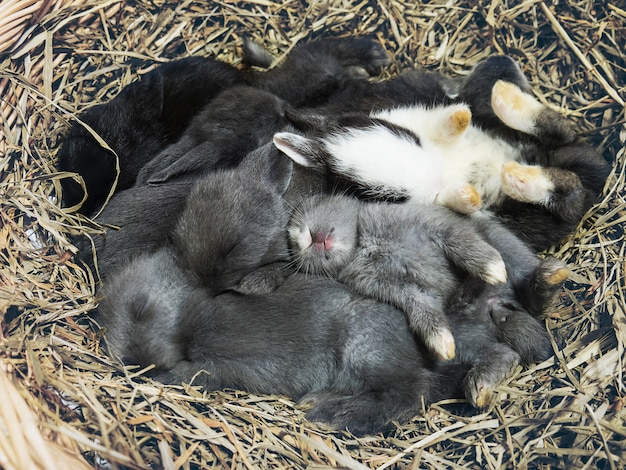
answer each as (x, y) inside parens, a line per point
(308, 122)
(268, 164)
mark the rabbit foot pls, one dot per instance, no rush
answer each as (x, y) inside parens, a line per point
(458, 121)
(526, 183)
(495, 272)
(553, 271)
(464, 199)
(441, 342)
(516, 109)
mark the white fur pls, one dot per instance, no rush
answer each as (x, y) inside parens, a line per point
(300, 236)
(382, 158)
(472, 156)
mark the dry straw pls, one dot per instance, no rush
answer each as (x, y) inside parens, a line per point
(66, 405)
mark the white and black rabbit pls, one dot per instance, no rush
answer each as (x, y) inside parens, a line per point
(407, 256)
(531, 165)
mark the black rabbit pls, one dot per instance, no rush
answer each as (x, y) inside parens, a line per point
(139, 122)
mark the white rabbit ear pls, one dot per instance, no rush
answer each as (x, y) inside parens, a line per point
(297, 147)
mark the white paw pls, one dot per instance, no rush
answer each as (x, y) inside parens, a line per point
(516, 109)
(442, 344)
(495, 272)
(526, 183)
(463, 199)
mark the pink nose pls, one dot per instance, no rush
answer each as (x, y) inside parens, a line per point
(322, 240)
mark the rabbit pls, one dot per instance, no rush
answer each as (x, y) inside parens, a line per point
(238, 120)
(234, 223)
(150, 216)
(530, 165)
(146, 213)
(405, 255)
(395, 254)
(496, 327)
(143, 118)
(140, 219)
(351, 362)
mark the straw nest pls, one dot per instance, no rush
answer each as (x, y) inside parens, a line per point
(67, 405)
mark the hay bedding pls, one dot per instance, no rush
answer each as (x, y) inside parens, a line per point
(66, 405)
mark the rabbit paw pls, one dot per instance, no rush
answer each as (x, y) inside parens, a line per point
(464, 199)
(495, 272)
(479, 392)
(554, 271)
(526, 183)
(458, 121)
(441, 342)
(516, 109)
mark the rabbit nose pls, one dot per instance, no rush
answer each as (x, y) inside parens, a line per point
(322, 241)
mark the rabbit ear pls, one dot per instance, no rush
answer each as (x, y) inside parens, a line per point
(299, 148)
(308, 122)
(268, 164)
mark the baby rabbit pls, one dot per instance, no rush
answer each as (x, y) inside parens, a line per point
(198, 220)
(530, 167)
(237, 121)
(146, 214)
(404, 255)
(352, 362)
(410, 257)
(143, 118)
(496, 327)
(234, 223)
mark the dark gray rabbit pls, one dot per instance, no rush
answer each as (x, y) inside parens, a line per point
(234, 223)
(315, 72)
(230, 236)
(147, 214)
(141, 220)
(352, 362)
(496, 327)
(428, 261)
(401, 254)
(237, 121)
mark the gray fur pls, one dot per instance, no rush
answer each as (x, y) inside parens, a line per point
(410, 257)
(402, 254)
(234, 222)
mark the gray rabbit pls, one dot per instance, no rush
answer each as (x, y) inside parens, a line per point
(146, 214)
(352, 362)
(443, 270)
(402, 254)
(234, 223)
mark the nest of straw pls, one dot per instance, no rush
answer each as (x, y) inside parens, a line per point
(65, 404)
